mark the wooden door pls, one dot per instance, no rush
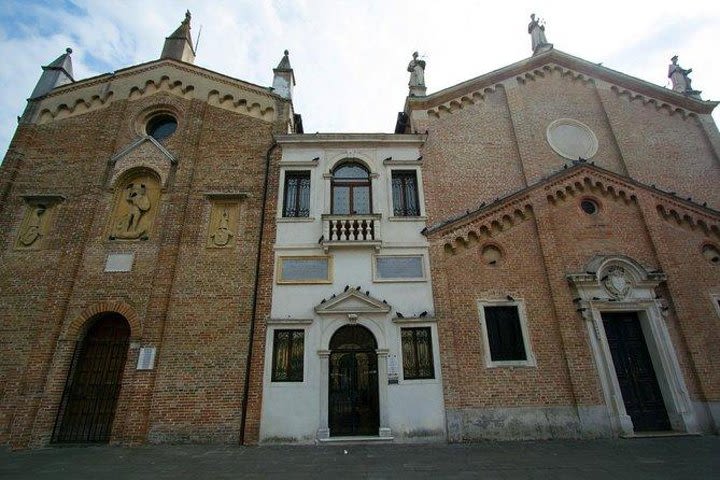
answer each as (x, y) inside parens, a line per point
(636, 375)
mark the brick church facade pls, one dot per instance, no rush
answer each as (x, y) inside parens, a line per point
(566, 257)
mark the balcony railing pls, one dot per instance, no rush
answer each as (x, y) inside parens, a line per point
(349, 230)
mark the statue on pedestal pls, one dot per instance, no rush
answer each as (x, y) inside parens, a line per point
(417, 76)
(536, 29)
(681, 82)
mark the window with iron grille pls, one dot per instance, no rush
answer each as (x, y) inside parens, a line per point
(405, 193)
(288, 353)
(504, 333)
(297, 194)
(417, 353)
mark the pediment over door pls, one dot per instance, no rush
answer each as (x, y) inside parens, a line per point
(352, 301)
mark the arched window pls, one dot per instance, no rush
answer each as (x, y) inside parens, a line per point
(351, 190)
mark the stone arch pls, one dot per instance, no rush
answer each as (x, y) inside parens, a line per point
(371, 325)
(355, 157)
(76, 327)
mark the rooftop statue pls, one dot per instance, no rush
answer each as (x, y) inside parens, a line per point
(417, 76)
(536, 29)
(681, 82)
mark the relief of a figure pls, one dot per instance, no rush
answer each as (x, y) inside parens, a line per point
(223, 222)
(33, 230)
(135, 210)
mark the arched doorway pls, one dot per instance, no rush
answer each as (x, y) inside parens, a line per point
(353, 383)
(91, 391)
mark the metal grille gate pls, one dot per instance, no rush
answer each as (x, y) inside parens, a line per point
(87, 408)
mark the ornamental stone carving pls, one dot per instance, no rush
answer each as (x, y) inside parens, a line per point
(34, 227)
(617, 282)
(136, 204)
(222, 229)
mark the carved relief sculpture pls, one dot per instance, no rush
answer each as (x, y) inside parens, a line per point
(617, 282)
(135, 209)
(223, 224)
(34, 230)
(221, 237)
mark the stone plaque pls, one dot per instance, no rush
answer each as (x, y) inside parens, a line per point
(119, 262)
(146, 358)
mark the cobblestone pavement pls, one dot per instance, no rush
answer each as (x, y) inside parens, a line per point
(656, 458)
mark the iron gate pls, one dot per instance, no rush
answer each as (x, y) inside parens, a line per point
(87, 408)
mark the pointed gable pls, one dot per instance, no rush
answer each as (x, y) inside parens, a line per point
(352, 301)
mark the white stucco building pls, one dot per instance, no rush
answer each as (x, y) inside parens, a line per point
(351, 347)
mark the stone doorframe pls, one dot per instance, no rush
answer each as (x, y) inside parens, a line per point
(323, 431)
(618, 283)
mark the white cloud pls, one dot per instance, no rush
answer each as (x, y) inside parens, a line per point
(350, 57)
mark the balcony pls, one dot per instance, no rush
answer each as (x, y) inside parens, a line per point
(351, 231)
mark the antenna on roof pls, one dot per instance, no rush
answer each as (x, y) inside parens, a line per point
(197, 41)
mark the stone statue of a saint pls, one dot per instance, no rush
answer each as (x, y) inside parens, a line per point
(33, 229)
(536, 29)
(138, 203)
(681, 82)
(417, 76)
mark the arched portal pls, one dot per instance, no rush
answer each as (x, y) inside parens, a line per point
(87, 408)
(353, 383)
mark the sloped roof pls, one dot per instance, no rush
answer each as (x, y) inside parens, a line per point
(557, 57)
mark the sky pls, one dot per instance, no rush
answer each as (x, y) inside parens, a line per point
(350, 57)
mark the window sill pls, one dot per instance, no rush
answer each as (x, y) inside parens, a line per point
(512, 363)
(407, 219)
(294, 219)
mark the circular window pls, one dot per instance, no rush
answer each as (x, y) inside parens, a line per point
(589, 206)
(711, 254)
(572, 139)
(161, 126)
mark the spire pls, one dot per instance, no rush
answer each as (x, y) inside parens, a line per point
(178, 45)
(284, 78)
(57, 73)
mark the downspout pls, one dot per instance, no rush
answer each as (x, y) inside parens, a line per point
(251, 337)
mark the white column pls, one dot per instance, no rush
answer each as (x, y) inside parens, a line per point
(383, 393)
(323, 430)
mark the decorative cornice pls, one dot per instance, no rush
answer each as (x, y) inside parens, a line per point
(530, 69)
(351, 138)
(115, 87)
(580, 176)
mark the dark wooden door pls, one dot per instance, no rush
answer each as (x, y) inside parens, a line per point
(636, 375)
(353, 403)
(88, 405)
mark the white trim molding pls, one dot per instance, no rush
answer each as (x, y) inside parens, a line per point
(616, 283)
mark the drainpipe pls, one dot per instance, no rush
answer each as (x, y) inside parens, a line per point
(246, 393)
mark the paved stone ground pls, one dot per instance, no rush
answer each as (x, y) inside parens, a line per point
(652, 458)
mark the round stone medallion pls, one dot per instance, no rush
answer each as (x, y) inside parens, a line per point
(572, 139)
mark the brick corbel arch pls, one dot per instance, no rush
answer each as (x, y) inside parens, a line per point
(75, 327)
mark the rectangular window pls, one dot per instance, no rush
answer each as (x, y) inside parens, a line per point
(288, 352)
(405, 193)
(399, 267)
(304, 270)
(297, 194)
(504, 333)
(417, 353)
